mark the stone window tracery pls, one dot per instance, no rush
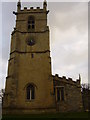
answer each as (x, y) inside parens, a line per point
(30, 92)
(59, 93)
(31, 23)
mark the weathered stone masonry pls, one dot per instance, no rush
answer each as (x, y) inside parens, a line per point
(30, 86)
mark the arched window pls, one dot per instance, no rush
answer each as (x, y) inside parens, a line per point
(30, 92)
(31, 23)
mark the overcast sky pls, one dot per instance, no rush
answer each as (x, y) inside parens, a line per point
(68, 22)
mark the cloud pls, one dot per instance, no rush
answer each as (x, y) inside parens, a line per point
(8, 21)
(67, 15)
(47, 0)
(68, 37)
(3, 71)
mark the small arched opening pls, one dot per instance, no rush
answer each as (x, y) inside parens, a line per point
(30, 92)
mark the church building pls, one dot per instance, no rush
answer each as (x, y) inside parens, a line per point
(30, 85)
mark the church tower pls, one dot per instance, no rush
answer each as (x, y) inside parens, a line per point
(29, 84)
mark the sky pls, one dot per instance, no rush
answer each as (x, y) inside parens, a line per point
(68, 23)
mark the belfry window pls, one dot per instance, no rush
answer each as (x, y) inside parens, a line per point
(60, 94)
(30, 92)
(31, 23)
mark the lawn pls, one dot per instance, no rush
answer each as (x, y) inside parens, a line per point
(56, 116)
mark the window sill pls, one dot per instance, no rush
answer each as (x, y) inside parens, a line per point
(29, 100)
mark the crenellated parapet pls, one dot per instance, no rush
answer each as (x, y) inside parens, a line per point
(31, 9)
(31, 20)
(66, 80)
(30, 86)
(67, 92)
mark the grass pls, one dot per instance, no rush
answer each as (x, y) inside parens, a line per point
(47, 116)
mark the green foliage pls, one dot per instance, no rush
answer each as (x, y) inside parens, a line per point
(47, 116)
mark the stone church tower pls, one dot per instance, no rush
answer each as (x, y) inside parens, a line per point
(29, 84)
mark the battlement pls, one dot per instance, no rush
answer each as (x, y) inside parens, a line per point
(32, 9)
(66, 80)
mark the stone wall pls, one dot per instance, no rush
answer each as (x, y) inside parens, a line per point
(72, 94)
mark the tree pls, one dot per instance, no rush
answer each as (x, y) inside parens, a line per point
(85, 86)
(86, 96)
(1, 94)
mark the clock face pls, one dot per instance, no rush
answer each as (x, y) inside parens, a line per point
(31, 42)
